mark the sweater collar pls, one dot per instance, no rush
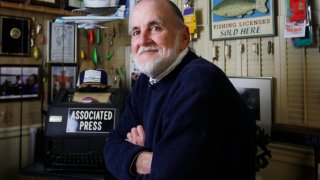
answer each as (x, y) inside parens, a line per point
(182, 54)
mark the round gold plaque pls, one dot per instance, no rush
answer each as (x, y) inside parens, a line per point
(15, 33)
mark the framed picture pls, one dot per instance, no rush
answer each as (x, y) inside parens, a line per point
(19, 82)
(73, 4)
(62, 77)
(49, 3)
(241, 19)
(257, 93)
(14, 36)
(20, 1)
(62, 43)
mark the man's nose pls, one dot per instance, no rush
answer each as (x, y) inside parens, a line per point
(145, 38)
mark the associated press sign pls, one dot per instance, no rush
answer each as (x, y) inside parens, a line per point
(91, 119)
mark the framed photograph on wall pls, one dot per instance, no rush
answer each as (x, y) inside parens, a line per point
(49, 3)
(73, 4)
(241, 19)
(20, 1)
(19, 82)
(14, 36)
(62, 77)
(62, 43)
(257, 93)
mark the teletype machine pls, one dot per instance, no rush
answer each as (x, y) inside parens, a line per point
(77, 127)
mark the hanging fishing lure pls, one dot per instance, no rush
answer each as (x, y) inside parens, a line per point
(35, 53)
(95, 56)
(98, 38)
(91, 36)
(82, 54)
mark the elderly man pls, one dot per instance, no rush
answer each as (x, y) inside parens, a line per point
(183, 118)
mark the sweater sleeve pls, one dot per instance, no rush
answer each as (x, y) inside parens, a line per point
(118, 153)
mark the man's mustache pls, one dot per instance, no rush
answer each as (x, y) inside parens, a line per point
(147, 48)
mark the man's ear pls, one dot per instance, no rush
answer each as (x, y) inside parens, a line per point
(185, 37)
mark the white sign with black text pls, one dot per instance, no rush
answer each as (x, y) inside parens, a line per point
(90, 120)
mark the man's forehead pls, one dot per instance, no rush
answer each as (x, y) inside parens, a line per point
(146, 22)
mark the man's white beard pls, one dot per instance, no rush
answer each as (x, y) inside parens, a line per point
(153, 68)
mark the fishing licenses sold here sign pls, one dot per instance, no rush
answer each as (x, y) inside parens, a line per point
(231, 19)
(90, 120)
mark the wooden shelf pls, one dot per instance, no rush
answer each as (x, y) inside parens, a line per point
(39, 9)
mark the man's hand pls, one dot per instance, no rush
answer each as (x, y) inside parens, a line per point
(143, 162)
(136, 136)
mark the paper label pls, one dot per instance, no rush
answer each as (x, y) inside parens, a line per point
(92, 76)
(297, 10)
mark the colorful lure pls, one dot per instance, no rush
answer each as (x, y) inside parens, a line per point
(39, 27)
(42, 39)
(109, 56)
(95, 56)
(122, 71)
(82, 55)
(98, 37)
(91, 36)
(35, 53)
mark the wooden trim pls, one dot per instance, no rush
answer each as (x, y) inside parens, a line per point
(12, 5)
(292, 154)
(13, 132)
(34, 8)
(37, 8)
(54, 11)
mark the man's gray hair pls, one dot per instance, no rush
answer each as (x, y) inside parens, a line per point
(177, 11)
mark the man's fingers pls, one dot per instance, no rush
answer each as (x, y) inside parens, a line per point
(129, 135)
(141, 135)
(140, 130)
(134, 132)
(136, 135)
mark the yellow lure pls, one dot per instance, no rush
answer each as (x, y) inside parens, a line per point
(82, 55)
(35, 53)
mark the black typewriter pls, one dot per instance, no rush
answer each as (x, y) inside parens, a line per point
(76, 132)
(76, 162)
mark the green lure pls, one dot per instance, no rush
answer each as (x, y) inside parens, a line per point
(95, 56)
(98, 39)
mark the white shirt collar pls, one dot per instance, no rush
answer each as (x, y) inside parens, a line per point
(170, 68)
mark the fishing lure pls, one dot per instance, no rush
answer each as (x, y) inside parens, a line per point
(98, 37)
(91, 36)
(35, 53)
(82, 55)
(95, 56)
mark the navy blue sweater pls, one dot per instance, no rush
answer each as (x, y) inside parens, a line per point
(195, 122)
